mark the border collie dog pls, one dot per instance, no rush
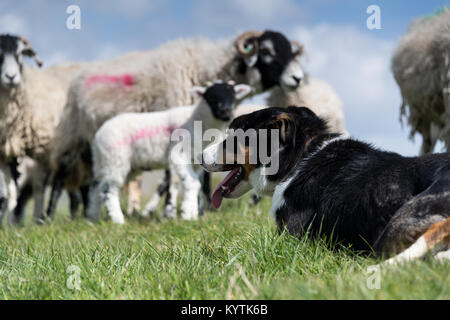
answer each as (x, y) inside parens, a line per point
(334, 186)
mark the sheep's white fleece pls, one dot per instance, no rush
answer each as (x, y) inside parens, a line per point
(30, 113)
(155, 80)
(315, 94)
(421, 67)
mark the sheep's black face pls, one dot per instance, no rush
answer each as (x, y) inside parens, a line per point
(220, 98)
(274, 55)
(276, 62)
(11, 61)
(12, 51)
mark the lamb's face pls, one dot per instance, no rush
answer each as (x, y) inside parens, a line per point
(12, 51)
(270, 59)
(221, 97)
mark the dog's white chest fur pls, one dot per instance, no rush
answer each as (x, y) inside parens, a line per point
(278, 196)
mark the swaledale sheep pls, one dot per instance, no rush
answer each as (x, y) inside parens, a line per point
(31, 104)
(131, 142)
(421, 67)
(158, 79)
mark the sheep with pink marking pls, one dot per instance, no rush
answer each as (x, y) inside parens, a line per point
(132, 142)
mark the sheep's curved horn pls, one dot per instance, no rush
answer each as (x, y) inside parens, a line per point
(34, 55)
(242, 40)
(299, 46)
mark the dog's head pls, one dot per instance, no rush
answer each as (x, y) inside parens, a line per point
(257, 143)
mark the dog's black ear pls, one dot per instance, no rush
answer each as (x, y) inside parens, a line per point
(303, 112)
(286, 125)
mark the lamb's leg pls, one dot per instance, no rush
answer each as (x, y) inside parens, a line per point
(191, 187)
(163, 187)
(170, 206)
(110, 194)
(204, 197)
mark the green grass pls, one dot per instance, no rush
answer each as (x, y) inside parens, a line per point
(234, 253)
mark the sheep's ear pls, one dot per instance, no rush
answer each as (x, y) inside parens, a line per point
(197, 92)
(297, 48)
(242, 90)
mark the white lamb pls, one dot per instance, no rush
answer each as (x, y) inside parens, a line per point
(132, 142)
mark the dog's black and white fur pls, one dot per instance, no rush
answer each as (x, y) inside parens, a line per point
(343, 188)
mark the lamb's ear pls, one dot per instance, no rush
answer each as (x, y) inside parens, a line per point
(242, 90)
(197, 92)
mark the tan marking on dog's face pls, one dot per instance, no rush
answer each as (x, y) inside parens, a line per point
(245, 150)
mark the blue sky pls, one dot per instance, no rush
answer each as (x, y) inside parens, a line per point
(340, 48)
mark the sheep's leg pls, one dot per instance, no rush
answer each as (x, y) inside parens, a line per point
(3, 195)
(428, 142)
(8, 191)
(84, 191)
(163, 187)
(170, 206)
(39, 184)
(134, 196)
(255, 199)
(95, 202)
(24, 196)
(74, 200)
(191, 186)
(55, 194)
(205, 178)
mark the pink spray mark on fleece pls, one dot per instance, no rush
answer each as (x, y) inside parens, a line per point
(144, 133)
(124, 80)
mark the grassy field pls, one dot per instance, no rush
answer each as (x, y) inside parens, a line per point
(234, 253)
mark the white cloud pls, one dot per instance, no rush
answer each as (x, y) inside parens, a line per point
(11, 23)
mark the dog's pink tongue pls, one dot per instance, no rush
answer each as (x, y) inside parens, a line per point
(217, 195)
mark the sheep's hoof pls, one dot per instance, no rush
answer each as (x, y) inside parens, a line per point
(170, 212)
(119, 221)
